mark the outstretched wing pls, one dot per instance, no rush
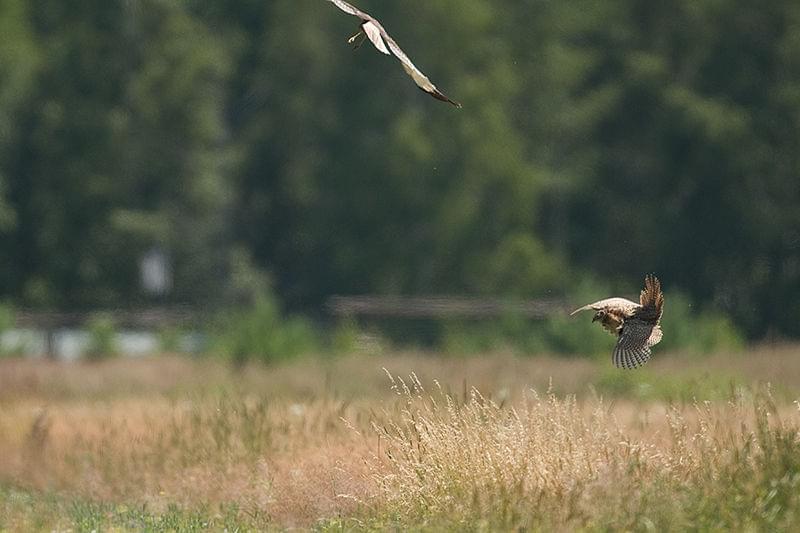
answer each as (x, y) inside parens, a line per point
(633, 346)
(416, 74)
(370, 25)
(373, 30)
(352, 10)
(380, 38)
(621, 306)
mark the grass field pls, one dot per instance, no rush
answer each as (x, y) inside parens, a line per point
(429, 443)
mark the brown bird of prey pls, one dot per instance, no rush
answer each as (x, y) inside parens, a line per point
(372, 29)
(636, 325)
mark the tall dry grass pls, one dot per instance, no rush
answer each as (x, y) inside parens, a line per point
(555, 463)
(335, 443)
(284, 462)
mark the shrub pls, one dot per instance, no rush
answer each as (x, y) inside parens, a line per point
(6, 323)
(169, 339)
(6, 316)
(259, 331)
(694, 331)
(344, 338)
(102, 337)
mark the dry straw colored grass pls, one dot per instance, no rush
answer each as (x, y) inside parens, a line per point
(284, 462)
(334, 443)
(559, 464)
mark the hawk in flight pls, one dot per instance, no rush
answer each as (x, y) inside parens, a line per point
(635, 325)
(372, 29)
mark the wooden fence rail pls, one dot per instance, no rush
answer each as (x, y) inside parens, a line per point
(441, 307)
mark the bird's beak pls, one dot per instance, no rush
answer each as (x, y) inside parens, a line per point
(595, 318)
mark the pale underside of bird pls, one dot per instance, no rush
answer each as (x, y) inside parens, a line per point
(374, 31)
(636, 325)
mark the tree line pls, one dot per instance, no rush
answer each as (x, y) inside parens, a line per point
(598, 141)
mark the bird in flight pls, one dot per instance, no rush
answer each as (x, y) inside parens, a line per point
(636, 325)
(372, 29)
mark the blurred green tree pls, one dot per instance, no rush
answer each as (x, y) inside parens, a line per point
(353, 182)
(686, 151)
(19, 61)
(122, 146)
(602, 138)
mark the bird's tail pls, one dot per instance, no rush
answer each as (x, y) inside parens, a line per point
(651, 296)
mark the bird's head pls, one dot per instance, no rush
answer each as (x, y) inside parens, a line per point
(599, 315)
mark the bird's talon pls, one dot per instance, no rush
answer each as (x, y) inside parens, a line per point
(352, 39)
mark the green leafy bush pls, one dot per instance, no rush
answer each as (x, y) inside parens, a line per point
(6, 316)
(260, 332)
(102, 337)
(344, 337)
(686, 329)
(6, 323)
(169, 339)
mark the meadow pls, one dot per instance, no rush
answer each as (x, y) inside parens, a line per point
(402, 441)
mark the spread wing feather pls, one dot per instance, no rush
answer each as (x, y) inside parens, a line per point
(375, 35)
(352, 10)
(378, 36)
(416, 74)
(633, 346)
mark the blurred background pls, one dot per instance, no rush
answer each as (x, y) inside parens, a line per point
(207, 175)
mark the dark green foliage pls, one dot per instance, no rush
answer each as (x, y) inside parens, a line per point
(118, 149)
(692, 144)
(612, 138)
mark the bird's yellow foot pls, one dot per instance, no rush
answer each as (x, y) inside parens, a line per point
(355, 39)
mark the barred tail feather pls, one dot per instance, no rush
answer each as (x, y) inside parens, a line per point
(651, 296)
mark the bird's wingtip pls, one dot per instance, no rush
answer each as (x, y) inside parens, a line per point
(439, 95)
(584, 308)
